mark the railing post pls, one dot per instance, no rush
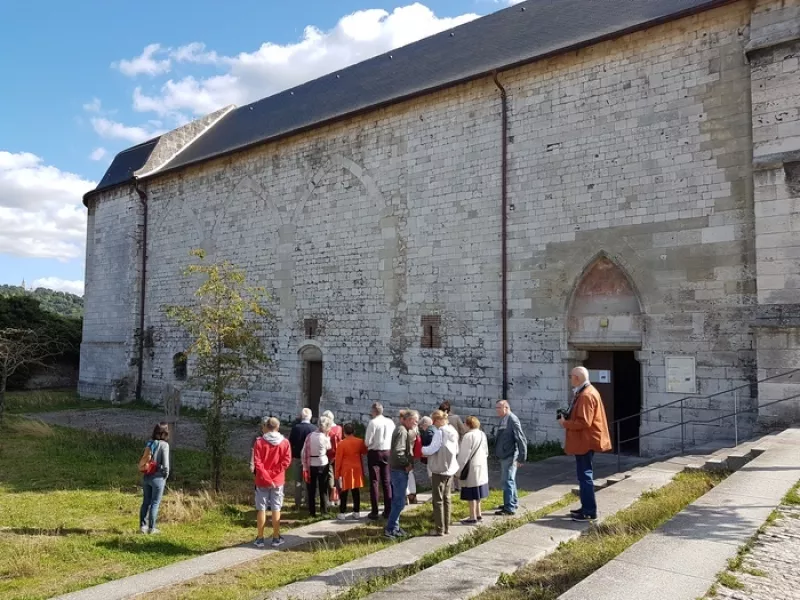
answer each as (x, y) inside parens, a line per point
(736, 417)
(619, 448)
(683, 429)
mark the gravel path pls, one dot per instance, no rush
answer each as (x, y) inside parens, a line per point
(771, 571)
(139, 424)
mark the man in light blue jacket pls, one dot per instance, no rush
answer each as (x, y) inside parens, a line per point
(511, 447)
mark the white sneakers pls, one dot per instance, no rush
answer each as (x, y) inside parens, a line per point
(351, 517)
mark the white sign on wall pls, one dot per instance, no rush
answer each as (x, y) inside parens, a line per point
(681, 377)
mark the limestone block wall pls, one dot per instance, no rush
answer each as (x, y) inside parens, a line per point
(111, 302)
(637, 149)
(773, 54)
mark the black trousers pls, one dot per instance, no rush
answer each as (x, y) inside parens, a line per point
(318, 482)
(356, 500)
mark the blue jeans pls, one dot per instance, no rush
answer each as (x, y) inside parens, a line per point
(399, 486)
(153, 491)
(508, 476)
(586, 483)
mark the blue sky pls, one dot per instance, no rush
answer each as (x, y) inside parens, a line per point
(84, 80)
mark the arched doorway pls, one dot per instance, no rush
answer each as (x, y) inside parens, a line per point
(605, 322)
(311, 357)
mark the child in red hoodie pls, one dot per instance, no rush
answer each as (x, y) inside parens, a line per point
(272, 455)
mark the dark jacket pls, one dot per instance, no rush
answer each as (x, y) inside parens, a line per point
(511, 441)
(297, 437)
(402, 452)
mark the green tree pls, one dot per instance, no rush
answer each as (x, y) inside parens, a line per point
(224, 324)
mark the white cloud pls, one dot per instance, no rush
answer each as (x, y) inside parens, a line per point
(41, 214)
(113, 130)
(58, 284)
(95, 106)
(98, 154)
(273, 67)
(145, 63)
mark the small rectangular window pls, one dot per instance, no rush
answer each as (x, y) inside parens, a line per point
(310, 326)
(430, 331)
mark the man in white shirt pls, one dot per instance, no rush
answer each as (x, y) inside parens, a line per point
(442, 464)
(378, 439)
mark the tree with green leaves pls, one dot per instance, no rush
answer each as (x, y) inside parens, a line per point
(21, 348)
(224, 323)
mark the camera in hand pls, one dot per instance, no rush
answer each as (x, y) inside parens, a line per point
(561, 413)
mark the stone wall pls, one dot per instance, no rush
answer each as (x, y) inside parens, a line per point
(774, 55)
(110, 324)
(637, 151)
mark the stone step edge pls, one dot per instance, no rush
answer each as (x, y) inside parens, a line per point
(730, 550)
(457, 563)
(751, 453)
(531, 503)
(192, 568)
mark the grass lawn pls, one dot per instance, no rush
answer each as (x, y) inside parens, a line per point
(69, 503)
(552, 576)
(47, 401)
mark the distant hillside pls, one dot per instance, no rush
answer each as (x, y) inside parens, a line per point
(60, 303)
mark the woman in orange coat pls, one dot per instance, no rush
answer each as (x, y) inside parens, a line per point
(350, 471)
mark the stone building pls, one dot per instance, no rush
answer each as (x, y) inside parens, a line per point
(613, 183)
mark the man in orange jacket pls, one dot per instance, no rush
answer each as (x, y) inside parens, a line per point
(586, 433)
(272, 455)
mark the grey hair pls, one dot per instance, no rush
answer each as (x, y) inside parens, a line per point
(306, 413)
(325, 424)
(426, 421)
(329, 414)
(583, 374)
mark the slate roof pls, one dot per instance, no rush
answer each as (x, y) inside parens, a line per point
(516, 35)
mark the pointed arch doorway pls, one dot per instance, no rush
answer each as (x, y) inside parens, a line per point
(605, 327)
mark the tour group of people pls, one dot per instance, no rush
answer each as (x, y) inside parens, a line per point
(327, 462)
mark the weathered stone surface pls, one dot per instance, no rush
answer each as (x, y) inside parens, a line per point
(634, 155)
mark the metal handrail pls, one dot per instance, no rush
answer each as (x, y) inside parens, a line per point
(683, 423)
(696, 396)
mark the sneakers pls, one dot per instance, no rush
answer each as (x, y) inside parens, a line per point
(354, 516)
(503, 513)
(341, 517)
(390, 534)
(278, 542)
(469, 521)
(154, 531)
(144, 529)
(259, 543)
(373, 516)
(575, 513)
(584, 519)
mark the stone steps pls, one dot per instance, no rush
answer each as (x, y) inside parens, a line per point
(471, 572)
(183, 571)
(680, 560)
(397, 556)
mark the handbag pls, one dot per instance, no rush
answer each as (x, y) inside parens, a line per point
(468, 464)
(148, 464)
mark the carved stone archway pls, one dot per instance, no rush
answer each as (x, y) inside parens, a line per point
(605, 311)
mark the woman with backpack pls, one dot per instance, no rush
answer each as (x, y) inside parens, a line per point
(154, 466)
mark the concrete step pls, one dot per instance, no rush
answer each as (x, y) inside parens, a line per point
(680, 561)
(475, 570)
(180, 572)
